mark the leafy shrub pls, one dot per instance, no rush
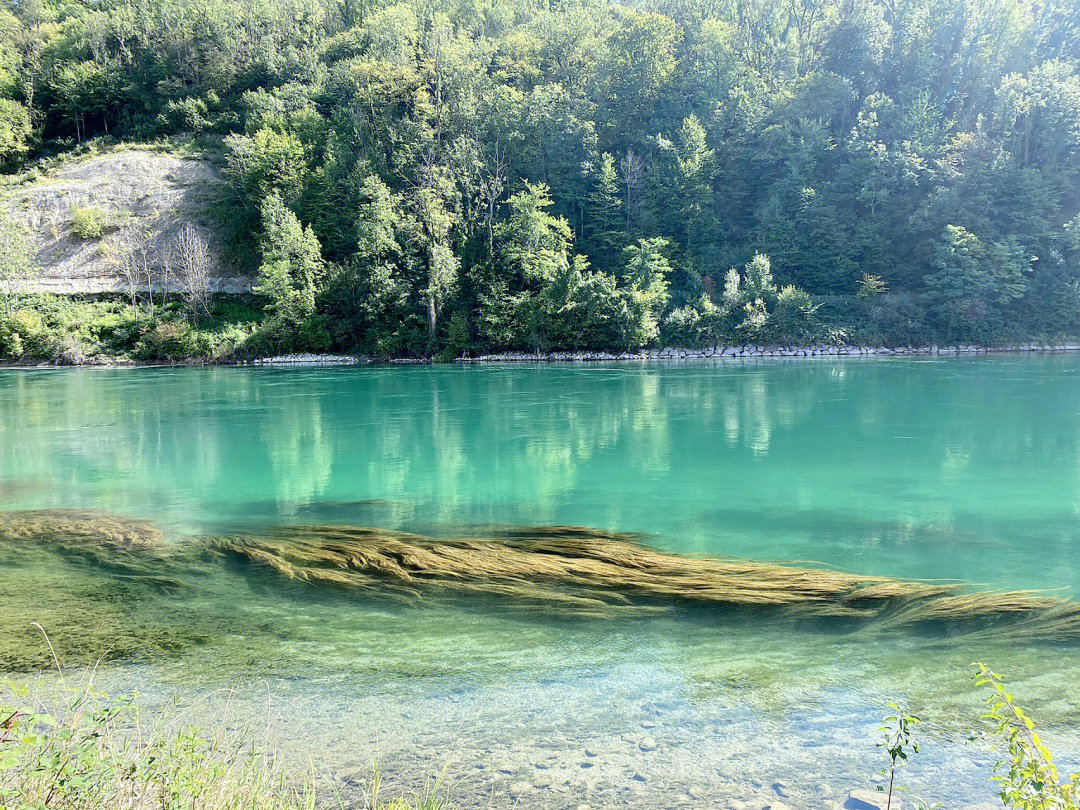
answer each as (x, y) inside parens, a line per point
(314, 334)
(682, 327)
(172, 341)
(1027, 775)
(899, 742)
(26, 334)
(77, 756)
(793, 317)
(871, 286)
(71, 748)
(89, 222)
(694, 326)
(458, 336)
(757, 309)
(189, 114)
(11, 344)
(66, 350)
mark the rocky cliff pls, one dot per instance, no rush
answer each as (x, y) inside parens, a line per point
(118, 221)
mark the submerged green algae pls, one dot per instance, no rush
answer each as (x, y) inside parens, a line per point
(103, 585)
(89, 580)
(85, 616)
(583, 572)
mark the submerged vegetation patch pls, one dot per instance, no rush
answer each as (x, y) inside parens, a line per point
(106, 584)
(590, 573)
(85, 528)
(52, 564)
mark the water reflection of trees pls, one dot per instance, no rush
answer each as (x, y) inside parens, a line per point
(436, 436)
(897, 446)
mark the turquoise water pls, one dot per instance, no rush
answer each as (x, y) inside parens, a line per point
(950, 469)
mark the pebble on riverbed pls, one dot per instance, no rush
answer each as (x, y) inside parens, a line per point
(647, 744)
(870, 800)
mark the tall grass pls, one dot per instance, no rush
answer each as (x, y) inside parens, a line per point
(68, 746)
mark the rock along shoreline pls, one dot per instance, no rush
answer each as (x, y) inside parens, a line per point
(668, 354)
(674, 354)
(756, 350)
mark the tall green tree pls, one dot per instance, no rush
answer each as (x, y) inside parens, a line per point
(291, 265)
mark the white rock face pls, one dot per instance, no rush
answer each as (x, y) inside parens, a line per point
(146, 198)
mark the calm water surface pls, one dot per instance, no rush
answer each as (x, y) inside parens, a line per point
(953, 469)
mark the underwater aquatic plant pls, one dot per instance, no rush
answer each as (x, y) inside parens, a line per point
(590, 573)
(103, 582)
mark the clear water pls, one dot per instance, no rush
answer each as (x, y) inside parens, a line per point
(932, 469)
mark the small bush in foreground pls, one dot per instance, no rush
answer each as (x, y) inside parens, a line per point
(898, 742)
(84, 751)
(1028, 778)
(1026, 773)
(84, 754)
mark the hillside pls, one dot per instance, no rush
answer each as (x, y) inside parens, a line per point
(139, 201)
(438, 179)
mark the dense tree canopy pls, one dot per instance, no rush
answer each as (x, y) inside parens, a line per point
(439, 175)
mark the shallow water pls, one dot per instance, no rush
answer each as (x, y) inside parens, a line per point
(955, 469)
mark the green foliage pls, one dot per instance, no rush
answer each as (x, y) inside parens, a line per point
(266, 162)
(973, 281)
(26, 335)
(15, 131)
(291, 266)
(697, 325)
(899, 743)
(793, 318)
(758, 310)
(645, 289)
(72, 748)
(605, 221)
(47, 328)
(1026, 775)
(172, 341)
(871, 286)
(457, 159)
(89, 222)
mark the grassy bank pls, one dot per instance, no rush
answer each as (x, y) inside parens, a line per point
(110, 329)
(73, 330)
(72, 748)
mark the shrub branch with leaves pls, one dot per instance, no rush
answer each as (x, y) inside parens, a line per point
(1027, 775)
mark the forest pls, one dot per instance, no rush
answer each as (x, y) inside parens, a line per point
(439, 177)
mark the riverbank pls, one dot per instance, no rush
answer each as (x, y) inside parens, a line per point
(667, 354)
(747, 351)
(755, 350)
